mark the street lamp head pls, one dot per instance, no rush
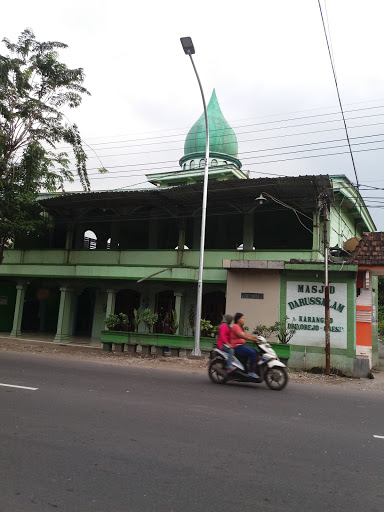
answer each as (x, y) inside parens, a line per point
(261, 200)
(187, 44)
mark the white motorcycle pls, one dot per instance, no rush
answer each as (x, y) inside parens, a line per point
(269, 367)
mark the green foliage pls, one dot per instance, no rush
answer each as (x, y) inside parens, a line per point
(116, 322)
(381, 327)
(174, 324)
(381, 299)
(149, 319)
(284, 333)
(136, 319)
(263, 330)
(112, 322)
(192, 319)
(207, 329)
(35, 87)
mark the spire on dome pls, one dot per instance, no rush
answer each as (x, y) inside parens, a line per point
(222, 138)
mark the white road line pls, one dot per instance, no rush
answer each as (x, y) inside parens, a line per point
(379, 437)
(19, 387)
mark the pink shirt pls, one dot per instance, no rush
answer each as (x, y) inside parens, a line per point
(224, 332)
(234, 339)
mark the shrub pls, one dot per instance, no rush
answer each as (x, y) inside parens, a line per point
(116, 322)
(149, 319)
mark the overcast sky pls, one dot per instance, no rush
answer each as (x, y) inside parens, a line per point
(267, 60)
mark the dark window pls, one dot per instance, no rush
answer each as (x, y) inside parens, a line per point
(252, 295)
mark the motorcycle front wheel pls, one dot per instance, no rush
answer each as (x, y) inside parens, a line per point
(216, 371)
(276, 378)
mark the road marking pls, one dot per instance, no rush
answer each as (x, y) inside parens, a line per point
(379, 437)
(19, 387)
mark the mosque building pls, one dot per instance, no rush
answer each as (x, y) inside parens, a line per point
(265, 260)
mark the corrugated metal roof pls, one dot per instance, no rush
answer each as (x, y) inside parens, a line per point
(299, 191)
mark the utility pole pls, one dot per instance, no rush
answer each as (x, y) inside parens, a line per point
(325, 208)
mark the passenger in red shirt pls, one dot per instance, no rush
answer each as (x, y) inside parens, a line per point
(223, 342)
(237, 340)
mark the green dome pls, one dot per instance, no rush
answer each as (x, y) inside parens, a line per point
(222, 138)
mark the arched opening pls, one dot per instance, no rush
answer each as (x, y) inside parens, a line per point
(84, 313)
(165, 303)
(213, 307)
(214, 162)
(126, 302)
(90, 240)
(241, 248)
(109, 243)
(192, 164)
(41, 308)
(184, 167)
(202, 162)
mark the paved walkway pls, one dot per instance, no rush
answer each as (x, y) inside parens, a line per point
(49, 338)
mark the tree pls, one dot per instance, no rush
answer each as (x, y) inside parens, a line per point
(35, 87)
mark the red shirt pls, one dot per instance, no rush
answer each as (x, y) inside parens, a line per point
(223, 337)
(234, 339)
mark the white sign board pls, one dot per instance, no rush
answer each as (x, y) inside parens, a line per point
(305, 311)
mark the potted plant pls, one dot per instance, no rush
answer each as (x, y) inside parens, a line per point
(284, 335)
(149, 319)
(174, 324)
(136, 319)
(116, 322)
(207, 329)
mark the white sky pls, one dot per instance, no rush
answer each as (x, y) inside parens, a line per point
(267, 60)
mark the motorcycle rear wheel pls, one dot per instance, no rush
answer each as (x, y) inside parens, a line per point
(276, 378)
(216, 366)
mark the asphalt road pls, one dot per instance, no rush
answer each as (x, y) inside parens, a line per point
(99, 437)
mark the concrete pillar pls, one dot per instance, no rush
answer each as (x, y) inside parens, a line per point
(181, 238)
(111, 301)
(115, 236)
(153, 233)
(69, 237)
(248, 231)
(64, 321)
(98, 314)
(18, 314)
(178, 296)
(196, 233)
(79, 237)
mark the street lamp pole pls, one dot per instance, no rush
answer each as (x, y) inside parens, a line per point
(190, 50)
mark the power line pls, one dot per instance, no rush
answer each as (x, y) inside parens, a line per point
(222, 131)
(338, 95)
(266, 149)
(244, 158)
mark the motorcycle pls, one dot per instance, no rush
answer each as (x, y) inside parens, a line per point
(269, 367)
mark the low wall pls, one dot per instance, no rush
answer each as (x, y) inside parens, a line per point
(175, 340)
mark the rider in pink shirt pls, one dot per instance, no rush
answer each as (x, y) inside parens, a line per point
(223, 340)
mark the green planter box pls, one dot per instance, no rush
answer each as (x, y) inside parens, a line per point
(177, 341)
(282, 350)
(157, 340)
